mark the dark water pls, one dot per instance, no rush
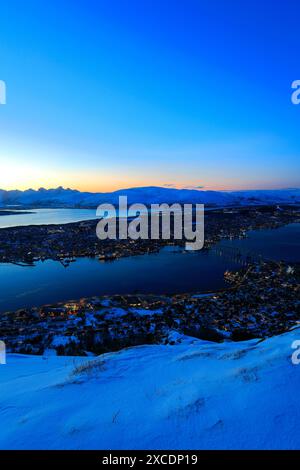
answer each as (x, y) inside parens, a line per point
(278, 244)
(165, 272)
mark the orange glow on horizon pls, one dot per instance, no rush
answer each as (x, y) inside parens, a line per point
(19, 176)
(106, 187)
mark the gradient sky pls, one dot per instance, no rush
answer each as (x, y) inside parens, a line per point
(111, 94)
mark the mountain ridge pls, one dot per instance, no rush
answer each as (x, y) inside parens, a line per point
(61, 197)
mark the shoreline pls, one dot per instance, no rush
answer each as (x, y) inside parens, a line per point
(4, 212)
(67, 242)
(260, 303)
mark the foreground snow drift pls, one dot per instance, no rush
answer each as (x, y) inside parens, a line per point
(194, 394)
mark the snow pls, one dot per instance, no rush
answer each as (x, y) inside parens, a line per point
(115, 312)
(142, 312)
(270, 195)
(61, 197)
(190, 395)
(61, 340)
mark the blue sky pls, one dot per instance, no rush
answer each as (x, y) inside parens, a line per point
(103, 95)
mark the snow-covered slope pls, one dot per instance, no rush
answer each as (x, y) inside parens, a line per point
(61, 197)
(192, 395)
(269, 196)
(148, 195)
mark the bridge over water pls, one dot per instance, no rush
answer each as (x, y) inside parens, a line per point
(243, 257)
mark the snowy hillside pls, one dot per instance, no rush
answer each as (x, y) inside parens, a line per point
(61, 197)
(269, 196)
(192, 395)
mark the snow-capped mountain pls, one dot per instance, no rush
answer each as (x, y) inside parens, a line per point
(61, 197)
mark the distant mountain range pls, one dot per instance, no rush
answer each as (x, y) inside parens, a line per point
(61, 197)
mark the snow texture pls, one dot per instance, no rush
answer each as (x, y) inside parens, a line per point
(190, 395)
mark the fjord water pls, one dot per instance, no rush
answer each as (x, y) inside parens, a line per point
(46, 217)
(170, 271)
(280, 244)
